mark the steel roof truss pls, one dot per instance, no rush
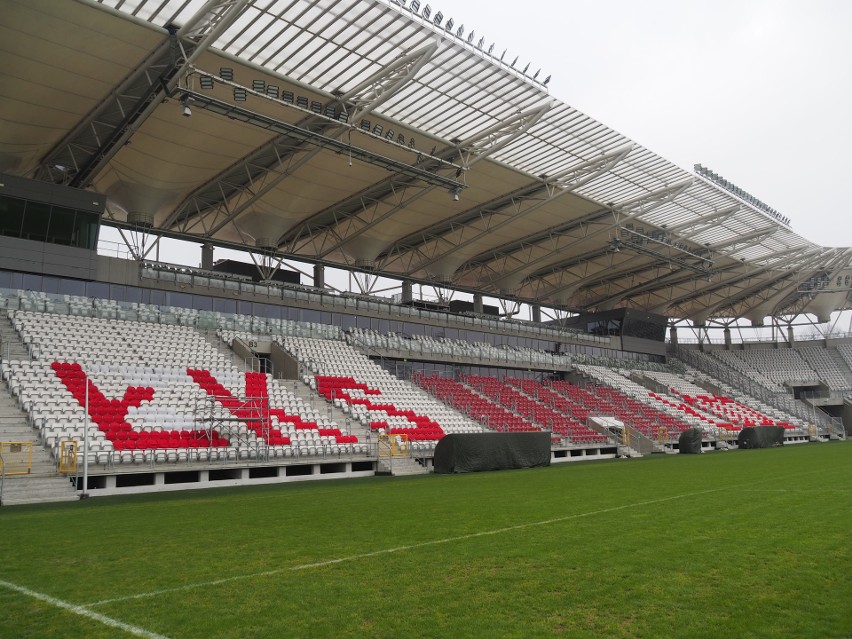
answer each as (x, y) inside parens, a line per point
(515, 208)
(83, 153)
(621, 214)
(471, 151)
(379, 87)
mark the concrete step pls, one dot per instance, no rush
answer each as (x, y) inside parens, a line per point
(401, 466)
(19, 417)
(37, 489)
(19, 437)
(222, 347)
(11, 346)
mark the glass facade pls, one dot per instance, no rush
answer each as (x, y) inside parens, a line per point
(50, 223)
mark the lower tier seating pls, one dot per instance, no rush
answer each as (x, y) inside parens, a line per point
(372, 395)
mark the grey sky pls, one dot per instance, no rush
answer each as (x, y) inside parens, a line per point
(756, 90)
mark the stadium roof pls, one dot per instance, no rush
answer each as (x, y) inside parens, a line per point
(381, 137)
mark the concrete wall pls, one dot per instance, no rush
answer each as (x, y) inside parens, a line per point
(47, 259)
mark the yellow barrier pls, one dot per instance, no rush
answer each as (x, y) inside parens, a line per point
(393, 445)
(67, 456)
(17, 457)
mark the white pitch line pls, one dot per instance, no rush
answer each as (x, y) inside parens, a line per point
(83, 611)
(396, 549)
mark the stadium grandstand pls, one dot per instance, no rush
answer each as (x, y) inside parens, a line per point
(421, 243)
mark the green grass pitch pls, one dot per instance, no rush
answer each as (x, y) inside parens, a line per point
(736, 544)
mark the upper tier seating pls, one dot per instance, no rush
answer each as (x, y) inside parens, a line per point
(845, 351)
(770, 367)
(455, 348)
(828, 371)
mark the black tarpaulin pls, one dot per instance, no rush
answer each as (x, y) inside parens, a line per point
(472, 452)
(690, 441)
(761, 437)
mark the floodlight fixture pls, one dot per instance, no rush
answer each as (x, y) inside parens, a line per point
(206, 82)
(227, 74)
(240, 94)
(258, 86)
(184, 102)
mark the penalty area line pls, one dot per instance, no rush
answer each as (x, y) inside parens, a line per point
(396, 549)
(83, 611)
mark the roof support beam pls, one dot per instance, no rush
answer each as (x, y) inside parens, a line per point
(240, 186)
(621, 213)
(349, 219)
(513, 209)
(525, 243)
(667, 278)
(750, 238)
(733, 297)
(382, 85)
(83, 153)
(699, 224)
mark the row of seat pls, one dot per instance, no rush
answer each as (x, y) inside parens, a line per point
(127, 393)
(372, 395)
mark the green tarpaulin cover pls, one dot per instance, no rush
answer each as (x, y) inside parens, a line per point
(690, 441)
(761, 437)
(472, 452)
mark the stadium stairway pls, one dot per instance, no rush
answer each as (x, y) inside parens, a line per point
(42, 484)
(400, 466)
(313, 398)
(11, 346)
(222, 347)
(841, 364)
(299, 388)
